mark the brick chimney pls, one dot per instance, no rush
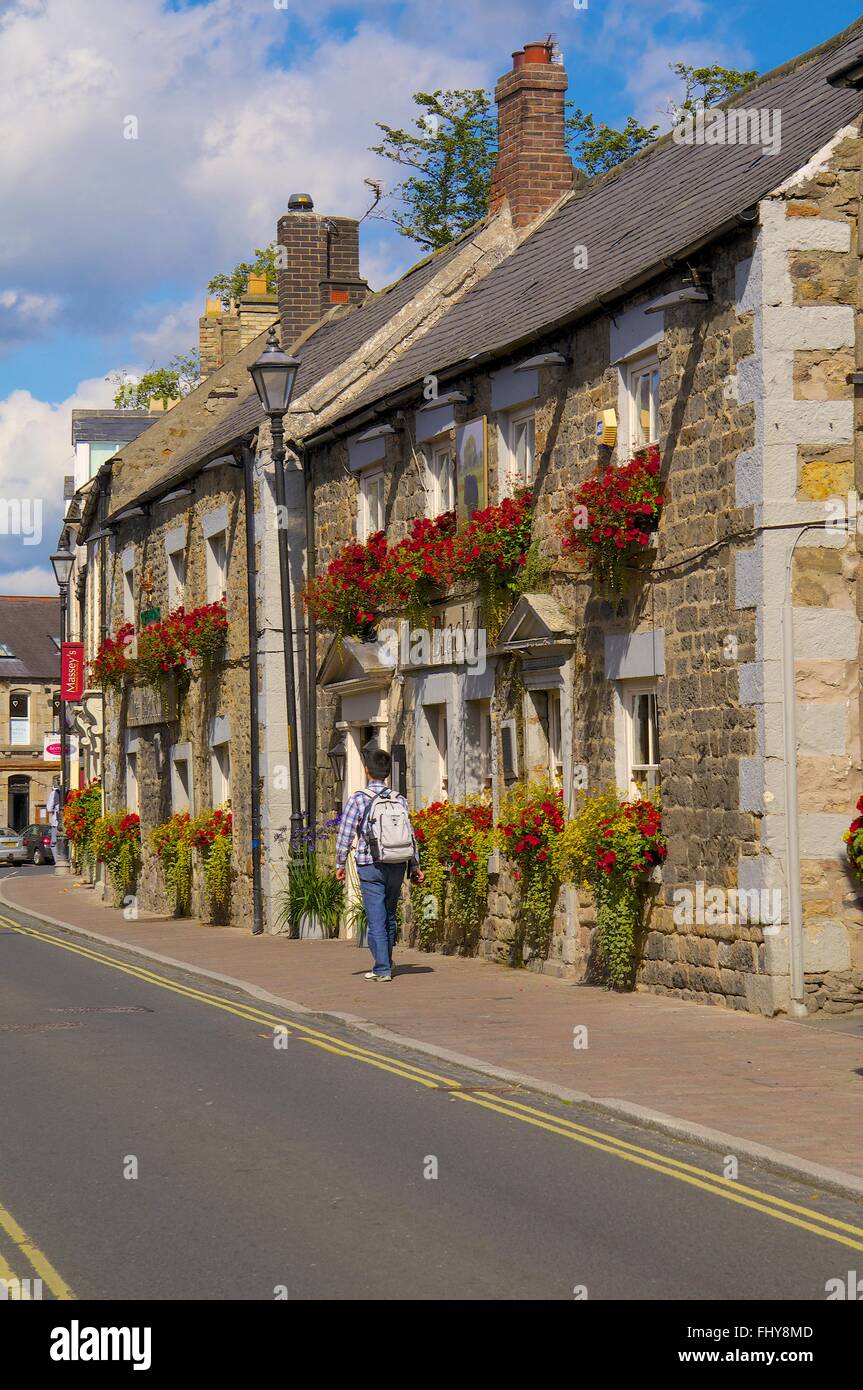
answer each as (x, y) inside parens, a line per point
(322, 266)
(257, 309)
(218, 336)
(533, 167)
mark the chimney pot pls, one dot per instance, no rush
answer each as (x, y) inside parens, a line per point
(537, 53)
(301, 202)
(518, 59)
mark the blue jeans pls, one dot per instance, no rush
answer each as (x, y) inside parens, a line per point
(380, 885)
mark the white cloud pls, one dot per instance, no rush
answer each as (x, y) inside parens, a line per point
(224, 136)
(35, 440)
(169, 332)
(36, 581)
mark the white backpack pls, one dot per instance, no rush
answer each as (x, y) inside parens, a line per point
(387, 827)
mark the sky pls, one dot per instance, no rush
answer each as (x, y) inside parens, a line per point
(107, 242)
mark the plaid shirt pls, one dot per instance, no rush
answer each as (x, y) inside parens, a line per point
(349, 826)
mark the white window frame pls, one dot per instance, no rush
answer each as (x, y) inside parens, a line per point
(513, 473)
(441, 490)
(19, 729)
(129, 585)
(370, 478)
(555, 737)
(652, 769)
(133, 798)
(182, 799)
(175, 556)
(220, 760)
(215, 528)
(636, 371)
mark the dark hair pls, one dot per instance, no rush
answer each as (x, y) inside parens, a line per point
(377, 761)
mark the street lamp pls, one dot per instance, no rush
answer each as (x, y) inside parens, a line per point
(274, 374)
(61, 562)
(338, 756)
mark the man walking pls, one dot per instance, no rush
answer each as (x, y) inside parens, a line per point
(386, 849)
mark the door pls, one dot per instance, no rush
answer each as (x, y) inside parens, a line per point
(19, 803)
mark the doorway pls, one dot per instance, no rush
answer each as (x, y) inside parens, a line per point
(19, 803)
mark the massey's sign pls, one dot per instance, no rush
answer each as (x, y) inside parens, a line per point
(72, 671)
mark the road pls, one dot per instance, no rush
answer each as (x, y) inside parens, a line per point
(165, 1138)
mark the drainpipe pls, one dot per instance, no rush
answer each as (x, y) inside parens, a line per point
(248, 463)
(311, 655)
(792, 827)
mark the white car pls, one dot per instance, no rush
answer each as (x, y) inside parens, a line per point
(12, 849)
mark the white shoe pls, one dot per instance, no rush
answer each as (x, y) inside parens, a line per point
(370, 975)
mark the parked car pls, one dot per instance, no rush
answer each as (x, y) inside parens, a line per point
(36, 845)
(11, 848)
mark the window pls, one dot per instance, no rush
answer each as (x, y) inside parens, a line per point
(439, 751)
(129, 590)
(519, 439)
(220, 771)
(643, 748)
(99, 454)
(6, 650)
(371, 513)
(181, 778)
(132, 795)
(643, 387)
(217, 566)
(19, 718)
(176, 578)
(555, 754)
(442, 470)
(477, 746)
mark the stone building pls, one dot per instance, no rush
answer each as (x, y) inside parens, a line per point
(29, 707)
(702, 297)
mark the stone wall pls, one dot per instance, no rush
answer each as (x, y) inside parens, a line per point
(224, 692)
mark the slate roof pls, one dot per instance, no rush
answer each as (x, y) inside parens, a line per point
(654, 208)
(658, 207)
(330, 345)
(106, 426)
(27, 626)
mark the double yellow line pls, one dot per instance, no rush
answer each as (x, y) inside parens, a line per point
(731, 1190)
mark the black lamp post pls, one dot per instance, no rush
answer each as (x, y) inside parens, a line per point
(61, 563)
(274, 374)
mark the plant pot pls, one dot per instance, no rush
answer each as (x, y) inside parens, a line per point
(311, 929)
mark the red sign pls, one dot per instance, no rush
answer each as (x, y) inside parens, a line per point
(72, 671)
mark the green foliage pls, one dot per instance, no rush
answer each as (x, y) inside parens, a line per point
(531, 822)
(173, 844)
(597, 147)
(311, 891)
(708, 86)
(454, 842)
(117, 843)
(610, 845)
(452, 154)
(453, 150)
(232, 286)
(160, 383)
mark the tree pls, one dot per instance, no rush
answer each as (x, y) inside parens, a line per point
(596, 147)
(452, 153)
(707, 86)
(159, 383)
(233, 285)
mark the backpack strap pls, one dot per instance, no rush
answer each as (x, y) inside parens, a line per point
(376, 796)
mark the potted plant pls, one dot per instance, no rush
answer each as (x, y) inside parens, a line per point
(614, 514)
